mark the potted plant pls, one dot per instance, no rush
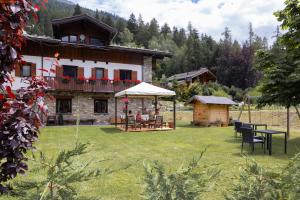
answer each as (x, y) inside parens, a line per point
(116, 81)
(80, 80)
(92, 80)
(105, 80)
(65, 79)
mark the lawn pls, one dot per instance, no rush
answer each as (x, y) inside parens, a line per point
(128, 151)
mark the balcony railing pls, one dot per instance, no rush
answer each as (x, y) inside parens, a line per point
(62, 84)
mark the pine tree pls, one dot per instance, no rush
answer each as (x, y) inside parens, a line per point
(97, 15)
(165, 30)
(77, 10)
(153, 28)
(62, 174)
(132, 24)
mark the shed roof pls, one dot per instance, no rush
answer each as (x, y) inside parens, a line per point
(191, 74)
(212, 100)
(145, 89)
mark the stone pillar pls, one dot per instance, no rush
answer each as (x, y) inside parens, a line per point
(147, 70)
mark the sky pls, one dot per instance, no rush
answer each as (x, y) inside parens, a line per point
(207, 16)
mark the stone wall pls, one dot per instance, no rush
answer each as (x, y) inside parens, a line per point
(84, 105)
(147, 70)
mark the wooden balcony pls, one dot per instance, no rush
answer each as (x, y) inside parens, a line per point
(60, 84)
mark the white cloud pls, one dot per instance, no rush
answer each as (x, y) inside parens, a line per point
(208, 16)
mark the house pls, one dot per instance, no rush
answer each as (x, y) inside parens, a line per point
(202, 75)
(91, 70)
(211, 110)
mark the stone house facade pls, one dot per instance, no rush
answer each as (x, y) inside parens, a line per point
(90, 70)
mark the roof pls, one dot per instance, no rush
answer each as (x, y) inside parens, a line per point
(145, 89)
(212, 100)
(141, 50)
(148, 52)
(192, 74)
(84, 17)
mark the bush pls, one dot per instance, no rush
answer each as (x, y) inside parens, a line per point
(258, 183)
(185, 183)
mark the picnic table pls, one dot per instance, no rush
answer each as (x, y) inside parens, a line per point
(269, 134)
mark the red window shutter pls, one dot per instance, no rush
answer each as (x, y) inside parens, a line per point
(105, 73)
(134, 75)
(18, 70)
(59, 71)
(33, 70)
(80, 72)
(116, 74)
(93, 72)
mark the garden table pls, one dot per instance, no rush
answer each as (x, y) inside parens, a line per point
(255, 125)
(269, 134)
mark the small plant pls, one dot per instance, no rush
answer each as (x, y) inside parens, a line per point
(61, 174)
(256, 182)
(184, 184)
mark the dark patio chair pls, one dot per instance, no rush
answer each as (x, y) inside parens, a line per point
(248, 137)
(237, 128)
(133, 123)
(245, 125)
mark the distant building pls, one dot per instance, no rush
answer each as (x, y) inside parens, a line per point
(211, 110)
(203, 75)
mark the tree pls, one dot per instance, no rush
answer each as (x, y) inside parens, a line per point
(126, 37)
(165, 30)
(281, 80)
(153, 28)
(97, 15)
(179, 36)
(132, 24)
(20, 112)
(77, 10)
(142, 36)
(108, 20)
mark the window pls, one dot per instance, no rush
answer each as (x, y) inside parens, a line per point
(65, 39)
(64, 106)
(70, 71)
(73, 39)
(26, 71)
(100, 106)
(125, 75)
(99, 73)
(96, 42)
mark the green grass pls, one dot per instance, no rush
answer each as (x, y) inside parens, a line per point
(173, 148)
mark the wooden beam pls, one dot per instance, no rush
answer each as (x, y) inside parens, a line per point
(297, 111)
(126, 114)
(249, 109)
(174, 112)
(155, 105)
(116, 111)
(288, 121)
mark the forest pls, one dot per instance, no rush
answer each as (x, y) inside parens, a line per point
(232, 61)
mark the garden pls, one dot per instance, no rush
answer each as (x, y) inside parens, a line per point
(121, 157)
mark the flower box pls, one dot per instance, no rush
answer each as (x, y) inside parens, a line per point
(80, 80)
(92, 80)
(65, 79)
(104, 80)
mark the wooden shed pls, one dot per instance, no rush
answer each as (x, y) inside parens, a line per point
(210, 110)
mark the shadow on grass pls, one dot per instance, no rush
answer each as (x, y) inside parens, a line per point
(110, 130)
